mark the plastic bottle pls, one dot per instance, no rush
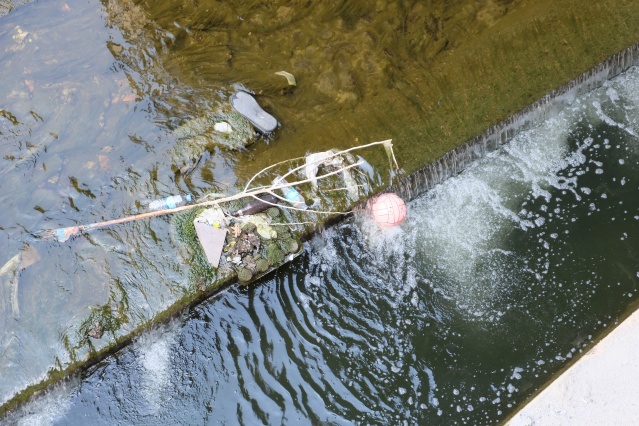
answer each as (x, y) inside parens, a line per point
(290, 193)
(256, 206)
(170, 202)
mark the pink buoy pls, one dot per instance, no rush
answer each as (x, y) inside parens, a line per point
(387, 209)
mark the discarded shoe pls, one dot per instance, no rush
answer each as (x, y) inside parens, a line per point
(246, 105)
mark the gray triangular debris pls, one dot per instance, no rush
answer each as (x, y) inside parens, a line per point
(212, 241)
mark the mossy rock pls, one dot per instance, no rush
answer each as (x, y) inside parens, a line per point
(274, 254)
(249, 228)
(198, 135)
(291, 246)
(273, 212)
(244, 275)
(199, 132)
(283, 233)
(262, 265)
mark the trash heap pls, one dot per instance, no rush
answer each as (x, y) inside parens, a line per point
(259, 243)
(221, 246)
(258, 237)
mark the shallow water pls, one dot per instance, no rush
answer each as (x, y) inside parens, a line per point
(495, 281)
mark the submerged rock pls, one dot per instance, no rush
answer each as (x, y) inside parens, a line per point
(244, 275)
(237, 131)
(200, 134)
(96, 331)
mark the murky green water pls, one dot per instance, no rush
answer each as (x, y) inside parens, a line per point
(93, 95)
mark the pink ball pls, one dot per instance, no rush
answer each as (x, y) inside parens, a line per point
(387, 209)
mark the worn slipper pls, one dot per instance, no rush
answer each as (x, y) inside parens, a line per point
(246, 105)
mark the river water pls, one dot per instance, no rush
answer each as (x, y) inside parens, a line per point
(496, 280)
(96, 97)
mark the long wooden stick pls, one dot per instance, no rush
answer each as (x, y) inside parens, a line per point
(63, 234)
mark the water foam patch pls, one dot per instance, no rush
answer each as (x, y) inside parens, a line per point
(47, 409)
(463, 231)
(155, 361)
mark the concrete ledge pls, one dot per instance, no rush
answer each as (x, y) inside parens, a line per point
(601, 388)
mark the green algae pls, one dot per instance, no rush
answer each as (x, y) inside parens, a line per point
(201, 274)
(274, 254)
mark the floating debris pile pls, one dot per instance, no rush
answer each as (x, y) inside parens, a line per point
(246, 246)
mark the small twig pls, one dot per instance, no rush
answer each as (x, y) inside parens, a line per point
(292, 223)
(279, 186)
(268, 168)
(387, 143)
(214, 195)
(346, 188)
(389, 149)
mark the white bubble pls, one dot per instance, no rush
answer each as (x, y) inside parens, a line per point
(516, 373)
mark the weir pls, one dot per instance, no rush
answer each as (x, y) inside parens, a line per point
(458, 159)
(424, 179)
(509, 271)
